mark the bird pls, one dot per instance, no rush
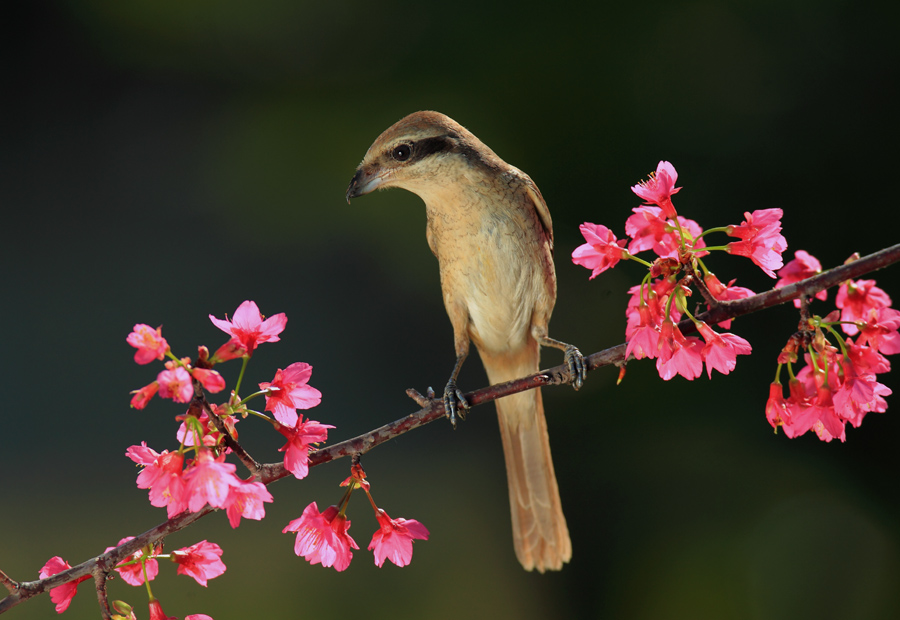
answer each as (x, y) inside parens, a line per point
(491, 231)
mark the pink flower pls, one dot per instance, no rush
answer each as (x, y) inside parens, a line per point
(149, 343)
(300, 437)
(756, 223)
(394, 539)
(246, 500)
(208, 480)
(881, 330)
(200, 561)
(163, 476)
(650, 230)
(859, 393)
(322, 538)
(197, 617)
(228, 351)
(176, 384)
(142, 455)
(678, 355)
(644, 339)
(761, 239)
(601, 252)
(721, 350)
(855, 299)
(209, 379)
(289, 392)
(157, 613)
(133, 574)
(142, 396)
(804, 265)
(867, 359)
(659, 188)
(61, 595)
(250, 328)
(810, 406)
(776, 409)
(724, 292)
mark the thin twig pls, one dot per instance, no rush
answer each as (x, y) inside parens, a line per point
(269, 472)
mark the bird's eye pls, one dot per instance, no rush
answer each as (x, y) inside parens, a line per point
(401, 152)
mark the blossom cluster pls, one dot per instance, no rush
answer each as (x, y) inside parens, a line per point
(322, 536)
(197, 474)
(200, 561)
(839, 382)
(660, 301)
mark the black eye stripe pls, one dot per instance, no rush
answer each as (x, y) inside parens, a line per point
(422, 148)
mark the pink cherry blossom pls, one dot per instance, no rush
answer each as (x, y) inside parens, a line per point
(209, 379)
(721, 350)
(644, 339)
(855, 299)
(803, 265)
(142, 396)
(776, 409)
(163, 476)
(157, 613)
(858, 394)
(200, 561)
(659, 188)
(176, 384)
(757, 223)
(867, 359)
(228, 351)
(149, 343)
(61, 595)
(246, 500)
(133, 574)
(761, 239)
(142, 455)
(649, 229)
(678, 355)
(394, 539)
(881, 330)
(724, 292)
(322, 537)
(300, 438)
(601, 252)
(208, 480)
(249, 328)
(289, 392)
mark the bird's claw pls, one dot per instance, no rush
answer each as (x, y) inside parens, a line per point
(455, 404)
(574, 361)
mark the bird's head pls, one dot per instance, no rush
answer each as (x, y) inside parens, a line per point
(422, 153)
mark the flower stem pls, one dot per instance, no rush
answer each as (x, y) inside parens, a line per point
(237, 386)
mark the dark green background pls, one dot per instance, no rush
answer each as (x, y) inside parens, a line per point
(161, 161)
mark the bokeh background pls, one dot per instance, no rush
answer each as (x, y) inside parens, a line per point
(162, 161)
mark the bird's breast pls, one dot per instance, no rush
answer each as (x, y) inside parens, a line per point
(490, 251)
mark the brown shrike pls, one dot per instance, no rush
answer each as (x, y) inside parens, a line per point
(490, 229)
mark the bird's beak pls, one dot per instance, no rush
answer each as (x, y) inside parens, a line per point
(367, 179)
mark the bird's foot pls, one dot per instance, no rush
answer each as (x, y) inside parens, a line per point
(455, 404)
(575, 365)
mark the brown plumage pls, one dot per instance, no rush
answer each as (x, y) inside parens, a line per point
(490, 229)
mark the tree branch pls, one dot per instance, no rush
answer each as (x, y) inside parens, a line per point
(270, 472)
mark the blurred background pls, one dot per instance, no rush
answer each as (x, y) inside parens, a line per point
(162, 161)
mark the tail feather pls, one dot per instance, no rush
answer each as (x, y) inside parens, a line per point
(540, 535)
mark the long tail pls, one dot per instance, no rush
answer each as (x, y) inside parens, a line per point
(540, 535)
